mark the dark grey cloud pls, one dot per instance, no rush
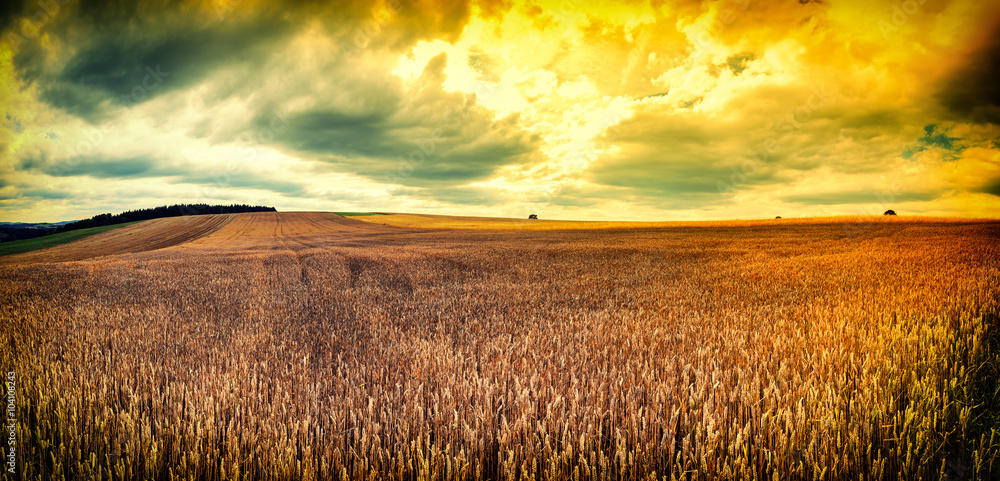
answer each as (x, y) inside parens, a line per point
(664, 155)
(115, 45)
(344, 133)
(245, 180)
(10, 12)
(411, 154)
(46, 194)
(859, 197)
(147, 166)
(108, 14)
(456, 195)
(680, 159)
(866, 125)
(666, 174)
(572, 196)
(79, 101)
(362, 119)
(973, 92)
(114, 70)
(22, 192)
(992, 187)
(98, 167)
(738, 63)
(419, 135)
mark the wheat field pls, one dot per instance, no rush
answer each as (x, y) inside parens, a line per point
(309, 346)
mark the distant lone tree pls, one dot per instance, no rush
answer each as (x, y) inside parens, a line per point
(778, 217)
(890, 212)
(533, 216)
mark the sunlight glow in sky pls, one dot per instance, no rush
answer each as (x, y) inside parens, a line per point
(568, 109)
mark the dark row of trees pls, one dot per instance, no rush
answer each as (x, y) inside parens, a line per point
(13, 233)
(176, 210)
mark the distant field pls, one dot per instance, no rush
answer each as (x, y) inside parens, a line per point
(316, 346)
(50, 240)
(851, 223)
(356, 214)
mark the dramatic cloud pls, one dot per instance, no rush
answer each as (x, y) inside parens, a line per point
(692, 109)
(972, 92)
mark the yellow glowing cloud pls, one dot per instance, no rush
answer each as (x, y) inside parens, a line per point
(685, 109)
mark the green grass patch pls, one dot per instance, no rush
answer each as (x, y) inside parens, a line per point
(357, 214)
(17, 247)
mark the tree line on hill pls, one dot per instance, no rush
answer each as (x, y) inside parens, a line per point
(13, 233)
(30, 231)
(163, 211)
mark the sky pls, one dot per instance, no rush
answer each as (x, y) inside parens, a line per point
(569, 109)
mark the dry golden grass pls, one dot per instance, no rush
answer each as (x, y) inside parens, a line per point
(308, 346)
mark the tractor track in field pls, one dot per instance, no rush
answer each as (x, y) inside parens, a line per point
(284, 238)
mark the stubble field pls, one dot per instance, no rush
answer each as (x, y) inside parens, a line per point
(311, 346)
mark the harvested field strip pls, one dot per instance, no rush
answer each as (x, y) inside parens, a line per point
(357, 214)
(144, 236)
(26, 245)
